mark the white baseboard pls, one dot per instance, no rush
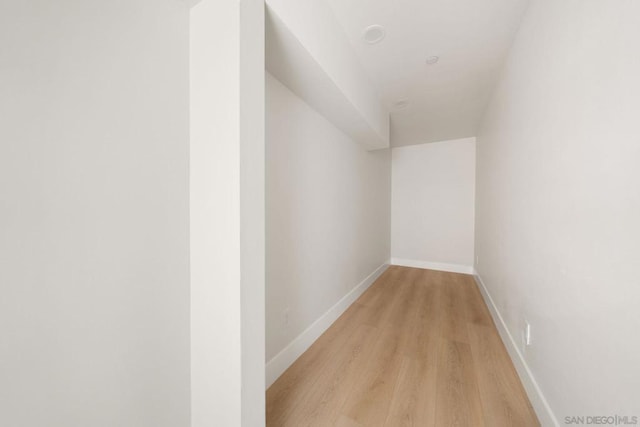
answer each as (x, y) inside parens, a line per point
(452, 268)
(281, 361)
(537, 399)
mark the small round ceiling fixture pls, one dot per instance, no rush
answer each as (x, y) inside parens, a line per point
(432, 60)
(401, 103)
(373, 34)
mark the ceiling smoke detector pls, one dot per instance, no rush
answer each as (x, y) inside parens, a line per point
(432, 60)
(373, 34)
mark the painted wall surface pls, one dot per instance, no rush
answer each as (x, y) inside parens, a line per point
(227, 213)
(328, 215)
(433, 191)
(252, 211)
(215, 213)
(94, 213)
(557, 229)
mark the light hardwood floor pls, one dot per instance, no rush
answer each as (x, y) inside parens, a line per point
(418, 348)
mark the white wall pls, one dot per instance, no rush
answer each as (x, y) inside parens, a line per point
(215, 213)
(433, 191)
(557, 231)
(252, 211)
(94, 219)
(328, 215)
(227, 213)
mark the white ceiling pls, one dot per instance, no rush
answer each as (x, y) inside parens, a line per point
(446, 100)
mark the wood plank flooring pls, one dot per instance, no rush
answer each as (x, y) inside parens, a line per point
(418, 348)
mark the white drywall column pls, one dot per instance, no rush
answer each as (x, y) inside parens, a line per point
(227, 213)
(252, 210)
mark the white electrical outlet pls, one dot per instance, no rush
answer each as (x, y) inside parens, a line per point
(285, 316)
(527, 333)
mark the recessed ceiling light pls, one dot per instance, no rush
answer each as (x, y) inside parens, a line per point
(432, 60)
(373, 34)
(402, 103)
